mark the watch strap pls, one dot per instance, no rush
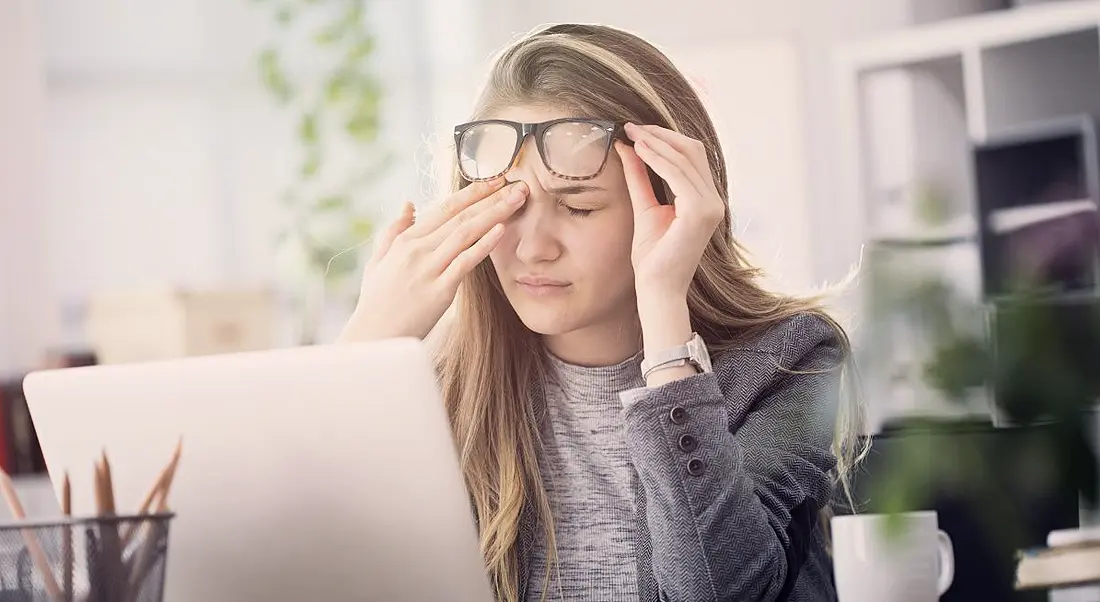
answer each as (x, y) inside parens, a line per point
(678, 356)
(693, 352)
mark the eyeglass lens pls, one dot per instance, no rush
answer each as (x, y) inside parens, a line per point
(573, 149)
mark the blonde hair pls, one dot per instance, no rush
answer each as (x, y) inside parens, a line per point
(491, 365)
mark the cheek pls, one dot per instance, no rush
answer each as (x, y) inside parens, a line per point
(603, 253)
(505, 250)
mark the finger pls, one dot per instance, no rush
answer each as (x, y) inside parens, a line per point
(469, 259)
(453, 205)
(638, 184)
(685, 144)
(498, 201)
(682, 188)
(683, 162)
(468, 233)
(399, 225)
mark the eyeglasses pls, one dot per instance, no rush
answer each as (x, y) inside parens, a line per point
(571, 148)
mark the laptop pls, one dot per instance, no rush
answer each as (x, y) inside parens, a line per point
(313, 473)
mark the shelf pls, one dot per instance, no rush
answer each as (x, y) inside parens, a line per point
(1015, 218)
(958, 37)
(963, 229)
(985, 125)
(1039, 80)
(918, 148)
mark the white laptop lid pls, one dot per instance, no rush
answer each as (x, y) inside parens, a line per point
(317, 473)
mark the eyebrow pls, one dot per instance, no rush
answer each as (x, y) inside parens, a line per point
(574, 189)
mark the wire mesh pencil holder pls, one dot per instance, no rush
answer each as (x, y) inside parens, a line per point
(99, 559)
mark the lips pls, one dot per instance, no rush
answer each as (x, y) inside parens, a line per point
(542, 287)
(540, 281)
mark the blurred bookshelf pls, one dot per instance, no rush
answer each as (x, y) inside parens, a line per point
(969, 152)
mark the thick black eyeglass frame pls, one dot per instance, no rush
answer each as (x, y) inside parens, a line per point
(614, 128)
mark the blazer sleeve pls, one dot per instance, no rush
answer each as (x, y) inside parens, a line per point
(736, 464)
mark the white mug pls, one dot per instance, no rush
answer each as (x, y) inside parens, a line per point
(911, 560)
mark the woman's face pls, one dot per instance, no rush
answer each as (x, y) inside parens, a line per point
(564, 258)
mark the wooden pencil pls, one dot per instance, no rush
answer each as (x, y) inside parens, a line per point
(67, 538)
(152, 531)
(30, 538)
(166, 475)
(108, 532)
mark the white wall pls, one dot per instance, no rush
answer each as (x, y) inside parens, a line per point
(24, 321)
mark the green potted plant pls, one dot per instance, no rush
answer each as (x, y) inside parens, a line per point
(337, 106)
(1042, 368)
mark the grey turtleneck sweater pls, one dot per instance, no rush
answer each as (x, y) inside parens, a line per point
(588, 475)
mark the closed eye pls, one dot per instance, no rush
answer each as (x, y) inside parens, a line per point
(575, 211)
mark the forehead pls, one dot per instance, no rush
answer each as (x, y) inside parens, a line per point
(530, 113)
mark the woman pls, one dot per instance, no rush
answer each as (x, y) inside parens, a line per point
(636, 417)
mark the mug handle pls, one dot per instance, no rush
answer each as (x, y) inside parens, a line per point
(947, 562)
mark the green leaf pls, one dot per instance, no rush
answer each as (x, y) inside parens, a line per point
(336, 88)
(311, 165)
(307, 129)
(363, 127)
(362, 227)
(272, 76)
(364, 122)
(333, 203)
(284, 16)
(361, 50)
(958, 367)
(330, 35)
(354, 16)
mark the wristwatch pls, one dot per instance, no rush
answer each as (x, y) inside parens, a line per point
(693, 352)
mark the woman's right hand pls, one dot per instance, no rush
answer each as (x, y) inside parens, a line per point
(414, 273)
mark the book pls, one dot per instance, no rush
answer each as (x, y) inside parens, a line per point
(1069, 537)
(1058, 566)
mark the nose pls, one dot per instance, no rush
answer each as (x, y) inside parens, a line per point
(535, 232)
(533, 225)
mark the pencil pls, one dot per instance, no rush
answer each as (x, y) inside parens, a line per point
(67, 538)
(146, 502)
(34, 547)
(108, 485)
(112, 548)
(152, 531)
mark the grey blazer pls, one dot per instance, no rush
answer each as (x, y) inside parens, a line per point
(736, 518)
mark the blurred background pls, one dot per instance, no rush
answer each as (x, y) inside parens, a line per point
(195, 176)
(156, 155)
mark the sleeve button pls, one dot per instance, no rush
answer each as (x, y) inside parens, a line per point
(677, 415)
(688, 443)
(695, 467)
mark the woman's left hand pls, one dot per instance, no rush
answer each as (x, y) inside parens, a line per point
(669, 239)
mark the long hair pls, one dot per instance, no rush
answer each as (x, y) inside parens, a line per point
(490, 364)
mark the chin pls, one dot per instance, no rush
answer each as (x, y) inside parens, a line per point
(545, 321)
